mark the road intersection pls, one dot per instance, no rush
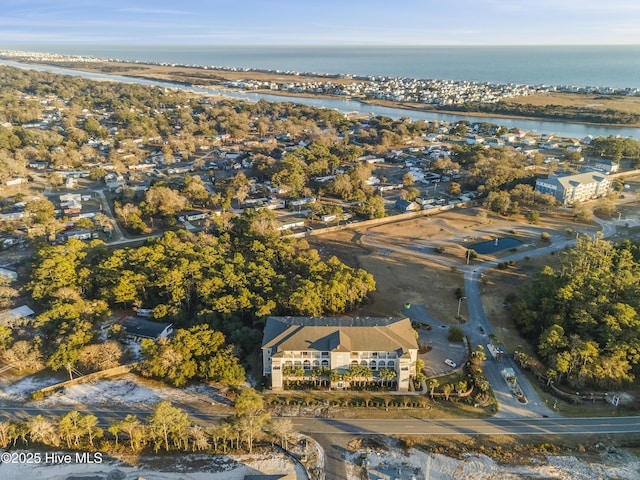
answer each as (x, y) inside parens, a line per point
(513, 418)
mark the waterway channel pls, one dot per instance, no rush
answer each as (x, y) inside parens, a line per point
(563, 129)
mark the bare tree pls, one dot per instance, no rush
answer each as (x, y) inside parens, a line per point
(42, 430)
(283, 429)
(101, 356)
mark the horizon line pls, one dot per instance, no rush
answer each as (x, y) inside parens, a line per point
(325, 45)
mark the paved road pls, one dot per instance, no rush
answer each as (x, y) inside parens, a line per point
(107, 210)
(333, 434)
(509, 406)
(334, 447)
(465, 426)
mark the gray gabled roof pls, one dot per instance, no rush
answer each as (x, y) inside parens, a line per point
(16, 314)
(339, 334)
(142, 328)
(573, 181)
(580, 179)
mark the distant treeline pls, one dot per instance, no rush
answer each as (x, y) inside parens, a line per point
(555, 112)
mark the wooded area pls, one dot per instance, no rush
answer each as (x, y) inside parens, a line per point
(583, 316)
(218, 288)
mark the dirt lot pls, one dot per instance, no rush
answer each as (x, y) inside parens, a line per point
(400, 278)
(404, 277)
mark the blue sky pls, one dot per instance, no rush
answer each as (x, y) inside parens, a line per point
(321, 22)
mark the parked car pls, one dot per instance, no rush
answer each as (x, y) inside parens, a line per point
(450, 362)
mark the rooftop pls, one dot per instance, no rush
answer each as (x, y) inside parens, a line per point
(341, 334)
(141, 327)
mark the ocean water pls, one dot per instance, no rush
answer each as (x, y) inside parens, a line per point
(609, 66)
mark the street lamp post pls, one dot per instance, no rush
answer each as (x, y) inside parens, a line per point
(459, 303)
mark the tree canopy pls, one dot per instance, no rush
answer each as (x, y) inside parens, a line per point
(584, 317)
(229, 282)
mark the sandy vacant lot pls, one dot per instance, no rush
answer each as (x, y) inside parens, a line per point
(174, 466)
(392, 462)
(391, 253)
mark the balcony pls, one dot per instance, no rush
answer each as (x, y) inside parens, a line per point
(373, 356)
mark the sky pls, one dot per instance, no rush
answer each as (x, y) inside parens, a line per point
(321, 22)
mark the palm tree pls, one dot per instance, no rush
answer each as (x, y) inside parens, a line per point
(199, 438)
(461, 387)
(433, 384)
(7, 431)
(446, 389)
(387, 375)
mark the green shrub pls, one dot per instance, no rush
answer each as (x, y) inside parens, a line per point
(455, 334)
(38, 395)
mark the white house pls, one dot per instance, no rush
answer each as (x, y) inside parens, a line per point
(607, 166)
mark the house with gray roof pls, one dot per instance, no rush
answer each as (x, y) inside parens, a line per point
(137, 329)
(17, 317)
(607, 166)
(339, 343)
(568, 189)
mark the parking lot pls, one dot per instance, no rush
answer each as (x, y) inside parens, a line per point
(439, 347)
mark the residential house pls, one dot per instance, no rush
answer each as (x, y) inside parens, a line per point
(78, 234)
(475, 140)
(339, 344)
(607, 166)
(300, 202)
(8, 274)
(138, 329)
(17, 317)
(520, 133)
(16, 181)
(194, 215)
(71, 201)
(568, 189)
(407, 206)
(291, 225)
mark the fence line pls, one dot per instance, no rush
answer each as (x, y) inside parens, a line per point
(110, 372)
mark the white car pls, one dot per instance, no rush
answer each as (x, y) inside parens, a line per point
(450, 362)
